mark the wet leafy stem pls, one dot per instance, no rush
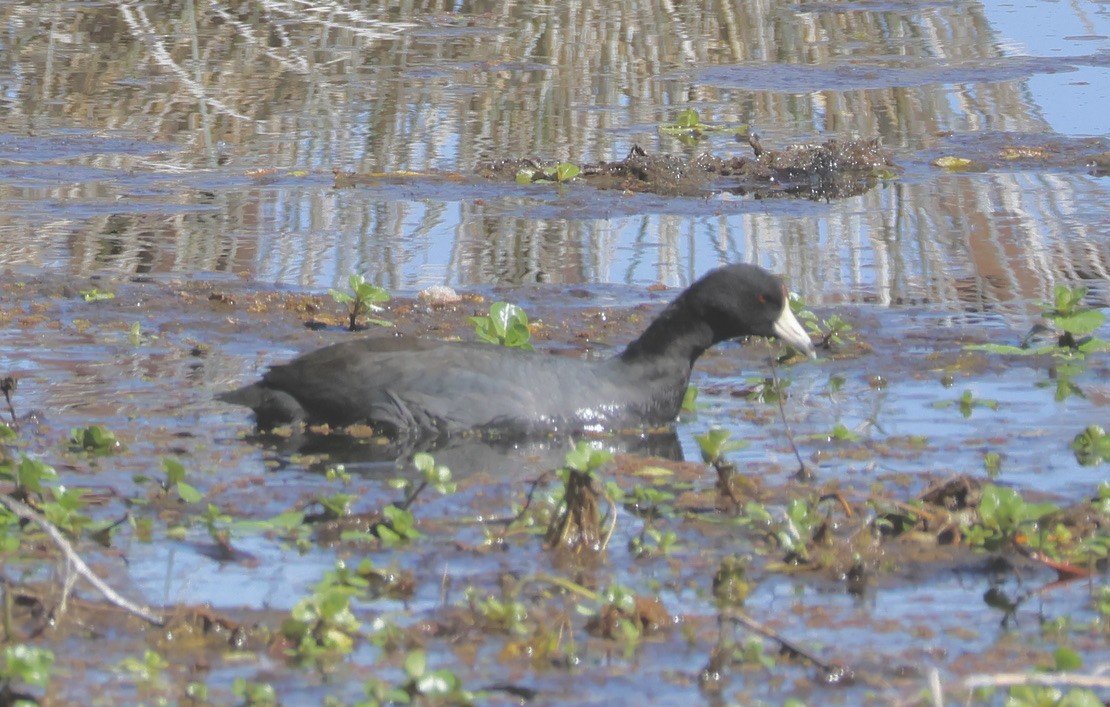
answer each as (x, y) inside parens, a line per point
(361, 300)
(322, 625)
(398, 522)
(715, 443)
(798, 528)
(1073, 325)
(832, 332)
(767, 390)
(175, 481)
(1073, 320)
(624, 617)
(577, 524)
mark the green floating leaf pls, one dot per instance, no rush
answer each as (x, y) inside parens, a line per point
(715, 443)
(653, 472)
(690, 399)
(1066, 299)
(27, 664)
(688, 118)
(95, 295)
(952, 163)
(1002, 508)
(586, 458)
(95, 439)
(416, 662)
(1091, 446)
(340, 297)
(1068, 659)
(1080, 323)
(506, 325)
(29, 475)
(188, 494)
(1094, 345)
(565, 171)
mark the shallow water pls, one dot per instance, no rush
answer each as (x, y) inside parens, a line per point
(158, 174)
(178, 152)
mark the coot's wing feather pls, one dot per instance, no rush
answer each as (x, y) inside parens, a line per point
(426, 385)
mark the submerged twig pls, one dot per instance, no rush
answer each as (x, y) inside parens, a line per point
(564, 583)
(803, 473)
(833, 672)
(79, 566)
(508, 521)
(135, 17)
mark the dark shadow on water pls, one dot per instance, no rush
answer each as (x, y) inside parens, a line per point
(464, 456)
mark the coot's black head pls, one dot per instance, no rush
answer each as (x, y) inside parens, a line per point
(744, 300)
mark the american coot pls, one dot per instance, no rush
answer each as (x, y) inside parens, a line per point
(428, 388)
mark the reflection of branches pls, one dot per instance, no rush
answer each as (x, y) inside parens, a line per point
(140, 25)
(355, 21)
(296, 64)
(328, 83)
(330, 15)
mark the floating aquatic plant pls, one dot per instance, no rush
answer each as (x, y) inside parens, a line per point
(506, 325)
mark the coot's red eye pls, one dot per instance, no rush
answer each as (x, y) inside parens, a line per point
(763, 299)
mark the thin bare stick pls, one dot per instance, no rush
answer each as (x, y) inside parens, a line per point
(803, 472)
(30, 514)
(613, 524)
(1094, 682)
(936, 694)
(744, 619)
(535, 484)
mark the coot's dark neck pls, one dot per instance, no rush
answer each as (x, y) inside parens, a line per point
(677, 334)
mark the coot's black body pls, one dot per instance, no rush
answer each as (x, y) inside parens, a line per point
(425, 388)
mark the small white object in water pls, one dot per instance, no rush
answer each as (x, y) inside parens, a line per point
(438, 295)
